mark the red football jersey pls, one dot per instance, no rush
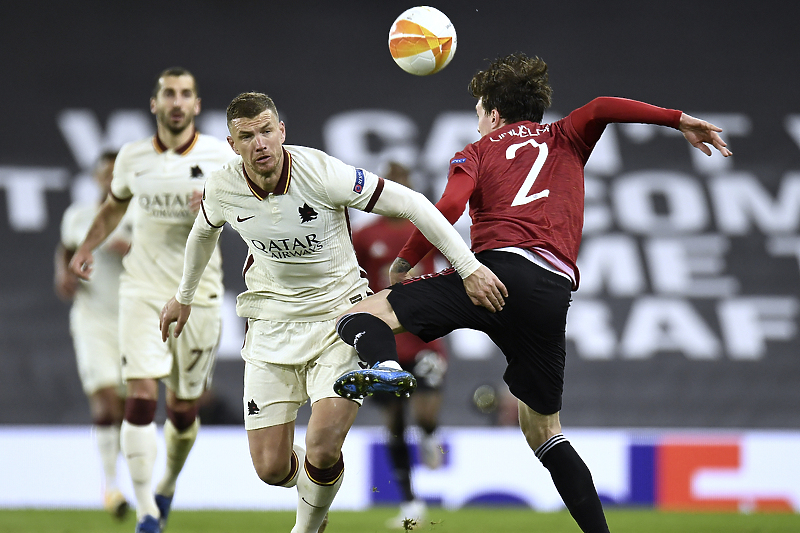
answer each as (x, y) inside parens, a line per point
(538, 202)
(524, 181)
(376, 246)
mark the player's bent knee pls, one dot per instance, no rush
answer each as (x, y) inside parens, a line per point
(323, 449)
(106, 407)
(272, 473)
(106, 415)
(142, 388)
(323, 456)
(536, 427)
(184, 418)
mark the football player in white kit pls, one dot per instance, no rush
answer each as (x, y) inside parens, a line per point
(93, 323)
(162, 178)
(289, 204)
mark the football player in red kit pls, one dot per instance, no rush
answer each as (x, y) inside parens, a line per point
(376, 246)
(524, 184)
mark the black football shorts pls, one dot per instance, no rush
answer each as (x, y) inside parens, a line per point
(530, 330)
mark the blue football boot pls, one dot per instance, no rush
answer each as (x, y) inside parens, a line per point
(148, 524)
(383, 377)
(163, 503)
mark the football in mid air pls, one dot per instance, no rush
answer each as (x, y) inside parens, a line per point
(422, 40)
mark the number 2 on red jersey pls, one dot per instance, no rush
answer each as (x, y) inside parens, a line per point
(523, 194)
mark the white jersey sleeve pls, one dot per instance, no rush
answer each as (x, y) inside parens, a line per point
(348, 186)
(72, 230)
(201, 243)
(398, 201)
(210, 208)
(358, 188)
(120, 187)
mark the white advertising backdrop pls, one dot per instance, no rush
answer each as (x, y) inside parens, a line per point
(58, 467)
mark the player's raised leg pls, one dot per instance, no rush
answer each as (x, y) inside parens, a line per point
(276, 460)
(370, 327)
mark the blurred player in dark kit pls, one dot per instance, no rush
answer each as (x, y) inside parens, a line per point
(377, 245)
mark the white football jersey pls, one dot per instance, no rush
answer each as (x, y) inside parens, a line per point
(160, 183)
(100, 296)
(301, 264)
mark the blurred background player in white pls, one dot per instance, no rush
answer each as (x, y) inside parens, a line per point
(93, 323)
(377, 245)
(289, 204)
(163, 178)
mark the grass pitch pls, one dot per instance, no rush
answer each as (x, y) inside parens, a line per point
(472, 520)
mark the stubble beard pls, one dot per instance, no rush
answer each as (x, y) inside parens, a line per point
(265, 175)
(177, 130)
(173, 128)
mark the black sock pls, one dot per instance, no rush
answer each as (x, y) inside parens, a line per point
(372, 338)
(574, 483)
(401, 462)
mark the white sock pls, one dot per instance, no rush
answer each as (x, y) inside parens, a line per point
(179, 444)
(300, 452)
(313, 502)
(107, 438)
(140, 448)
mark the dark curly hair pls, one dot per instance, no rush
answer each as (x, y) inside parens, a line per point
(516, 85)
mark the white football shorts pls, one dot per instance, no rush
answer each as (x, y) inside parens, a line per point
(184, 364)
(95, 336)
(274, 391)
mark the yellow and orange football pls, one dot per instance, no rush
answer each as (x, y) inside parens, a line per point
(422, 40)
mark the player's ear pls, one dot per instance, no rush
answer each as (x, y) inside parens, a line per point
(153, 105)
(230, 142)
(282, 126)
(197, 106)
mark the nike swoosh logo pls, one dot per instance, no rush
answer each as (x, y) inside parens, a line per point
(240, 219)
(312, 505)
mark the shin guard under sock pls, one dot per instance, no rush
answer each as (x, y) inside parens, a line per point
(372, 338)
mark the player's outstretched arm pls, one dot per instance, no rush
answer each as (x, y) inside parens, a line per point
(173, 311)
(399, 201)
(200, 246)
(700, 134)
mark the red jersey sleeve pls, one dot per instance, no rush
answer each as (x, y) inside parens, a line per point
(590, 120)
(452, 204)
